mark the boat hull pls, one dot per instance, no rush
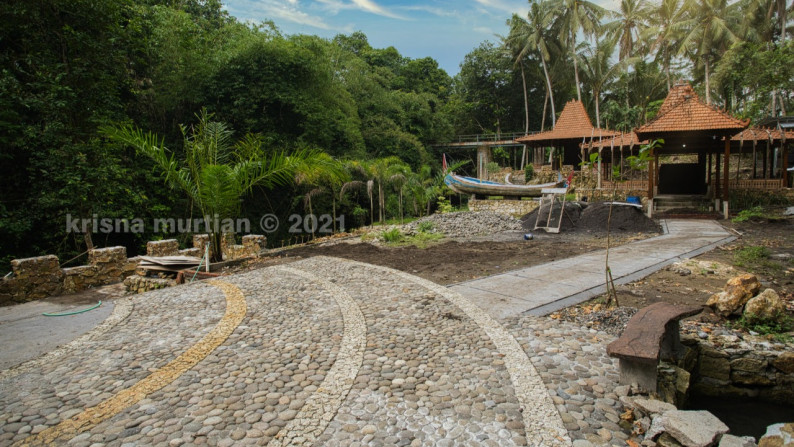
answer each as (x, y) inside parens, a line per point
(472, 186)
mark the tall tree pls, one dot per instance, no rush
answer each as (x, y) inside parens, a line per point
(631, 20)
(574, 16)
(708, 34)
(531, 35)
(598, 69)
(665, 32)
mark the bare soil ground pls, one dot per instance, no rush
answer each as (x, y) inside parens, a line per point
(461, 260)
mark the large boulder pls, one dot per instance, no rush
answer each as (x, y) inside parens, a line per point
(766, 306)
(694, 428)
(737, 292)
(778, 435)
(736, 441)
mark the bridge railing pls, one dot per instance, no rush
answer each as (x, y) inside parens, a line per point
(486, 137)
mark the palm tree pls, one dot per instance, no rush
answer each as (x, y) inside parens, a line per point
(631, 21)
(531, 35)
(215, 173)
(399, 174)
(708, 34)
(574, 16)
(665, 33)
(323, 175)
(598, 69)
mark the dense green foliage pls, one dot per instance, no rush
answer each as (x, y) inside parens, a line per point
(71, 67)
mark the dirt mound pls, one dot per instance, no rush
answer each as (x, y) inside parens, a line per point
(624, 218)
(592, 218)
(573, 212)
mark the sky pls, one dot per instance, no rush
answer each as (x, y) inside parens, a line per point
(445, 30)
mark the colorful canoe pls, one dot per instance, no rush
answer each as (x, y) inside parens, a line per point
(469, 185)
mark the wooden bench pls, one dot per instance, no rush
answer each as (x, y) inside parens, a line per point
(651, 335)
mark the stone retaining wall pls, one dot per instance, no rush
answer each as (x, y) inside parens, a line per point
(40, 277)
(740, 372)
(505, 207)
(744, 372)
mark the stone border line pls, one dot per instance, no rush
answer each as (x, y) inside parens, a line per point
(121, 310)
(542, 421)
(235, 313)
(321, 407)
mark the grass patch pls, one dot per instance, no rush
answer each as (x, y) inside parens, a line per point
(778, 327)
(392, 236)
(755, 212)
(755, 259)
(425, 227)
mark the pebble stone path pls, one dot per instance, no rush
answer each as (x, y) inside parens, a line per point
(322, 351)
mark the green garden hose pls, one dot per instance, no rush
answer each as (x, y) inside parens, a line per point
(75, 312)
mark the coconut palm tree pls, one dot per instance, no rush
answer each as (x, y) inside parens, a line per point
(598, 69)
(630, 22)
(323, 175)
(215, 173)
(574, 16)
(665, 32)
(708, 33)
(530, 35)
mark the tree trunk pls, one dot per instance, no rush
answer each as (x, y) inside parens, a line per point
(543, 118)
(598, 115)
(708, 85)
(217, 248)
(381, 203)
(333, 209)
(576, 72)
(551, 92)
(526, 101)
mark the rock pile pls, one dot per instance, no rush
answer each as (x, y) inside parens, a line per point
(660, 423)
(740, 296)
(466, 224)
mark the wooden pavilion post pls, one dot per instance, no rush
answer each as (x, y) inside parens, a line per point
(785, 166)
(717, 189)
(656, 169)
(651, 176)
(726, 179)
(708, 169)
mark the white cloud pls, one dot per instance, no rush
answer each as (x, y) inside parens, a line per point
(334, 6)
(258, 10)
(429, 9)
(506, 6)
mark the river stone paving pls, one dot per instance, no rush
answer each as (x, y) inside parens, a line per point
(325, 352)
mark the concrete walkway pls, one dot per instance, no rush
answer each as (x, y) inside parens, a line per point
(542, 289)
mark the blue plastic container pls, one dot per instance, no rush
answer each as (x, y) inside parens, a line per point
(634, 199)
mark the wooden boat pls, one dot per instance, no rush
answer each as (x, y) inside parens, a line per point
(469, 185)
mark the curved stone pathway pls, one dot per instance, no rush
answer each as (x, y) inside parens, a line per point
(322, 351)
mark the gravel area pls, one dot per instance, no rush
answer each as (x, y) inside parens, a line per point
(467, 224)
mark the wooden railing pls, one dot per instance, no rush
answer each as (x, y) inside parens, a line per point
(772, 184)
(630, 185)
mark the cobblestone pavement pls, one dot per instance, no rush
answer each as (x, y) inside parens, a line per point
(322, 351)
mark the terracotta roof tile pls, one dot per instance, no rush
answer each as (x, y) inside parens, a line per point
(573, 124)
(682, 111)
(621, 140)
(763, 134)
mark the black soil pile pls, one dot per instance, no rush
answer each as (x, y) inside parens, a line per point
(573, 212)
(593, 217)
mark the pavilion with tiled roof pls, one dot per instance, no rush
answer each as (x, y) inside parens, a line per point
(750, 139)
(571, 129)
(689, 126)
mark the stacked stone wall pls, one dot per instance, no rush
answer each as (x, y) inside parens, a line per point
(515, 208)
